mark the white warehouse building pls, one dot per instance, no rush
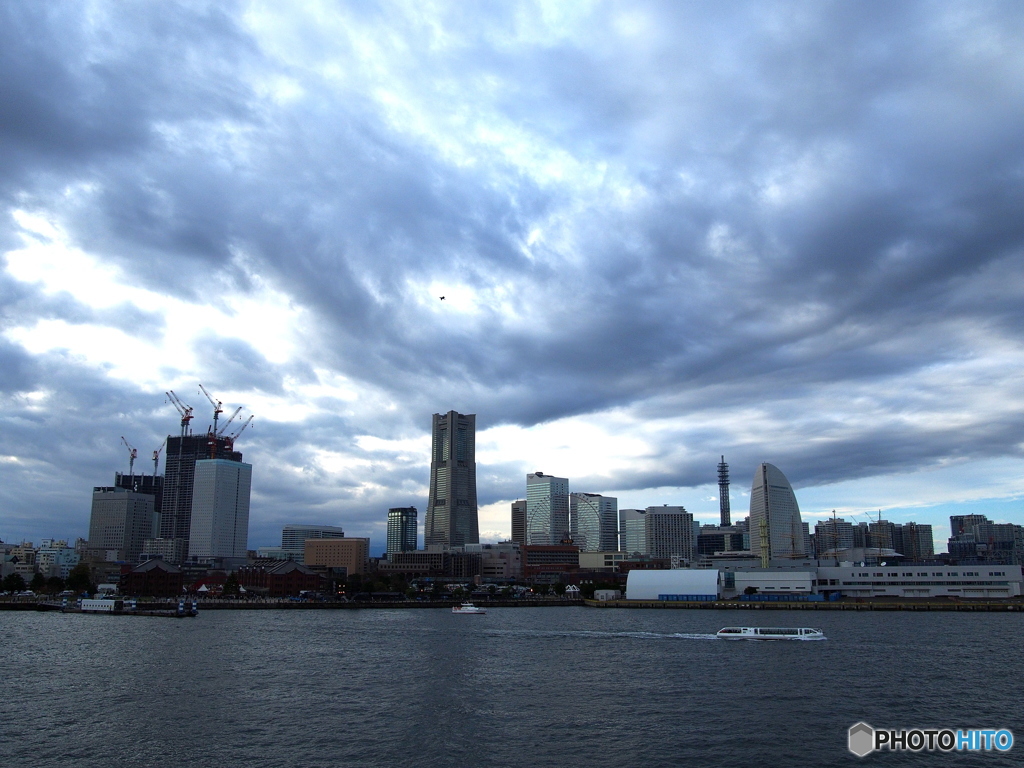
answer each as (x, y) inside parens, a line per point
(675, 584)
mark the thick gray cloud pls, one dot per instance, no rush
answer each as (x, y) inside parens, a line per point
(682, 211)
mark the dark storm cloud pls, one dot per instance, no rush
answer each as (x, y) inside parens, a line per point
(742, 206)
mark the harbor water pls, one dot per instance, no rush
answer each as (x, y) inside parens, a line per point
(514, 687)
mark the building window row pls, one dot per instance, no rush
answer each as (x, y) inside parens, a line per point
(923, 583)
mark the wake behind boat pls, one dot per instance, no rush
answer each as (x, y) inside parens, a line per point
(770, 633)
(468, 608)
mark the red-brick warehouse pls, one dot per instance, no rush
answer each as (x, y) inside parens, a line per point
(153, 578)
(279, 578)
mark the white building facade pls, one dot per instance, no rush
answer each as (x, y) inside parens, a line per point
(220, 509)
(775, 523)
(964, 581)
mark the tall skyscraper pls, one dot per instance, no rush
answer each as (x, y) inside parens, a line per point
(776, 530)
(594, 522)
(519, 521)
(179, 479)
(547, 508)
(633, 531)
(401, 530)
(723, 493)
(121, 520)
(451, 518)
(670, 533)
(149, 484)
(220, 509)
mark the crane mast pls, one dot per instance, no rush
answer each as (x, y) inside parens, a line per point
(132, 455)
(183, 409)
(217, 410)
(156, 456)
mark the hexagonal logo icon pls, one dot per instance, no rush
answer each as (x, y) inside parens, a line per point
(861, 739)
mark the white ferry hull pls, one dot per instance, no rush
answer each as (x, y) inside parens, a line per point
(469, 609)
(770, 633)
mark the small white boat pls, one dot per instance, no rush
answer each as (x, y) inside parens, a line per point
(770, 633)
(468, 608)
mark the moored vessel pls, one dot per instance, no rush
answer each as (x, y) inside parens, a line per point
(468, 608)
(771, 633)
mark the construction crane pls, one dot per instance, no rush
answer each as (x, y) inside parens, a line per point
(217, 410)
(227, 423)
(132, 455)
(183, 409)
(156, 456)
(241, 429)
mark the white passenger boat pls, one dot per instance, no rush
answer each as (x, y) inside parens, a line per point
(468, 608)
(770, 633)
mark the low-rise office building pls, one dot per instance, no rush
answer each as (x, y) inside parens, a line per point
(602, 561)
(353, 554)
(498, 562)
(433, 562)
(549, 559)
(767, 582)
(963, 581)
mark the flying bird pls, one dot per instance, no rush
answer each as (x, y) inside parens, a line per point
(442, 298)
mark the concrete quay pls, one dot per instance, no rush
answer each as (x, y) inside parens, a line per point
(838, 605)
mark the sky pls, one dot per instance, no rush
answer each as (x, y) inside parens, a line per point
(665, 232)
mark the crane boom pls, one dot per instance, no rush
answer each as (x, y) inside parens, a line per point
(184, 409)
(227, 423)
(241, 429)
(217, 410)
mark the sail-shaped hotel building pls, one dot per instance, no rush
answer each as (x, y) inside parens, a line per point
(776, 530)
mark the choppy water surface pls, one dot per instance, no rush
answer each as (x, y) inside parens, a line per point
(516, 687)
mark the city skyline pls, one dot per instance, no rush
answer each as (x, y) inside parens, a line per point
(661, 234)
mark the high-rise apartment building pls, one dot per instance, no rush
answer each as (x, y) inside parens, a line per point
(121, 520)
(220, 510)
(519, 521)
(547, 509)
(917, 541)
(964, 523)
(451, 517)
(401, 530)
(633, 531)
(776, 530)
(670, 533)
(832, 535)
(594, 522)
